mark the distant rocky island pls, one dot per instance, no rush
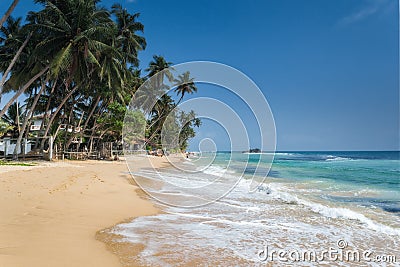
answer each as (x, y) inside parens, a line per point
(253, 150)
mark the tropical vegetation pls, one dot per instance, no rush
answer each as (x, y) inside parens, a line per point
(75, 64)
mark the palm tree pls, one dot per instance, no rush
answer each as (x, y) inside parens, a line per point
(29, 114)
(185, 85)
(13, 42)
(157, 65)
(11, 37)
(22, 89)
(13, 116)
(160, 111)
(127, 40)
(16, 59)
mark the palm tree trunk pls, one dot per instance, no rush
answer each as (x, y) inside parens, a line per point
(17, 118)
(104, 104)
(5, 74)
(91, 112)
(8, 13)
(179, 101)
(58, 109)
(90, 116)
(22, 90)
(28, 117)
(70, 119)
(48, 106)
(91, 139)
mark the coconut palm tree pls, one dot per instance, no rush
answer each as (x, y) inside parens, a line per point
(162, 108)
(157, 65)
(16, 60)
(13, 40)
(184, 85)
(14, 117)
(29, 113)
(127, 40)
(10, 38)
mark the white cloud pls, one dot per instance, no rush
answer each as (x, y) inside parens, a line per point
(369, 9)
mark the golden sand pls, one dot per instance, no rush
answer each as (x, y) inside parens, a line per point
(50, 214)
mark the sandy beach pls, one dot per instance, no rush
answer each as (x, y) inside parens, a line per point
(50, 213)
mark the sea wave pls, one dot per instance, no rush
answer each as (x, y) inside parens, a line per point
(336, 158)
(334, 213)
(218, 171)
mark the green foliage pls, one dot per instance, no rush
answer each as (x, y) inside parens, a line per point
(4, 128)
(8, 163)
(111, 120)
(134, 127)
(92, 59)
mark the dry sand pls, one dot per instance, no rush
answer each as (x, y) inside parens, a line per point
(49, 215)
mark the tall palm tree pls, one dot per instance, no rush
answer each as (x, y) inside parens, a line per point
(157, 65)
(127, 40)
(185, 85)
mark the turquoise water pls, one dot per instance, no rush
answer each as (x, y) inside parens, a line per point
(308, 201)
(354, 173)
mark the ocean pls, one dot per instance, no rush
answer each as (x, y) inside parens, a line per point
(310, 202)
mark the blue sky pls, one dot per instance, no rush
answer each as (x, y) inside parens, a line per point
(328, 68)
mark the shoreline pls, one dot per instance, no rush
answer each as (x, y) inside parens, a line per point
(114, 243)
(51, 214)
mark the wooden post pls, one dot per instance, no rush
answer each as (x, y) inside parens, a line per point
(51, 148)
(24, 147)
(6, 140)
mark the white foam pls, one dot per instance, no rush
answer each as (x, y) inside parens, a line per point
(335, 212)
(285, 154)
(219, 171)
(335, 158)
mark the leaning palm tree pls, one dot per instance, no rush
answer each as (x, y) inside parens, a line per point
(184, 85)
(19, 66)
(12, 47)
(161, 110)
(14, 39)
(29, 113)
